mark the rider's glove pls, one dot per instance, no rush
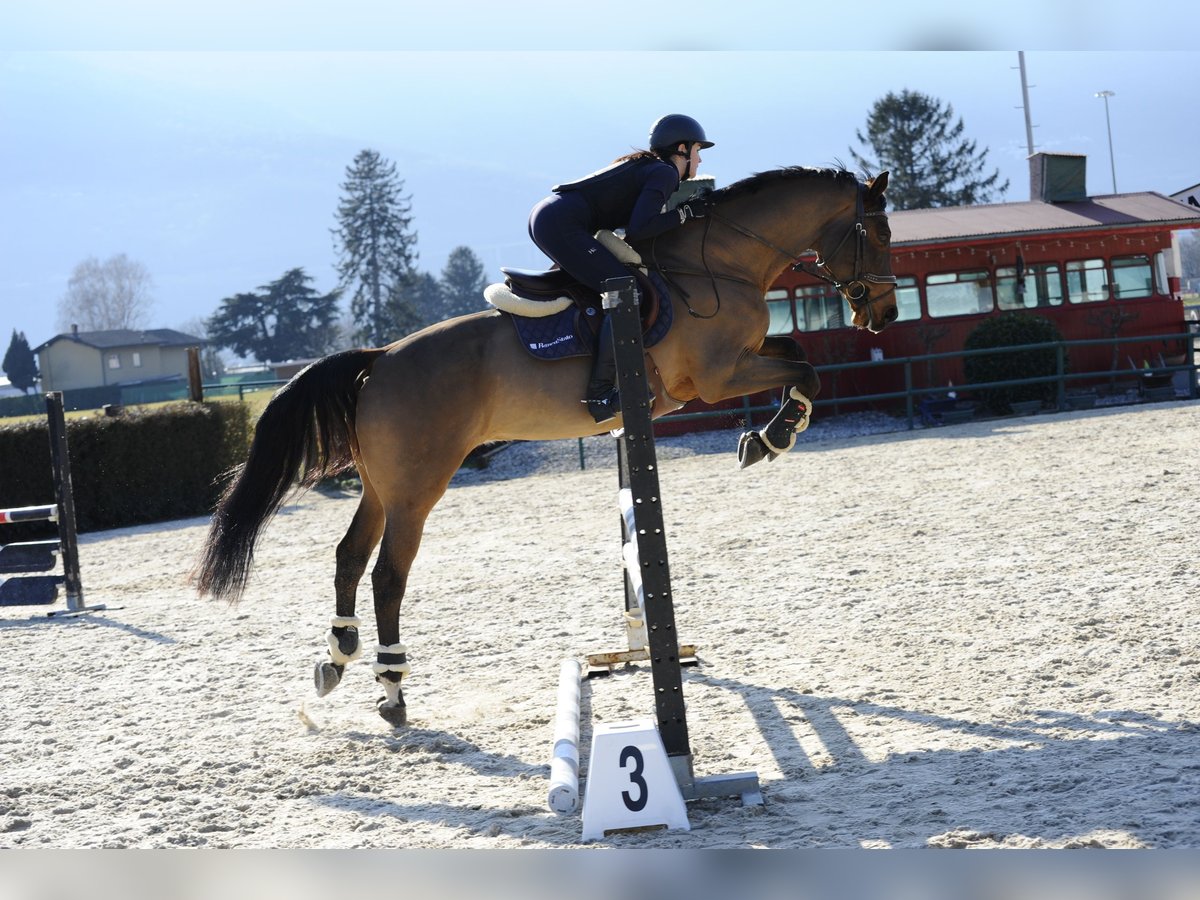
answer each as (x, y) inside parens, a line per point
(696, 208)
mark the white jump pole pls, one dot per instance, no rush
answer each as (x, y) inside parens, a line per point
(563, 797)
(635, 619)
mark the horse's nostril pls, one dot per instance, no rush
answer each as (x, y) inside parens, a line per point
(891, 315)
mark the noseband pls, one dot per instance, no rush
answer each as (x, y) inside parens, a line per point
(855, 289)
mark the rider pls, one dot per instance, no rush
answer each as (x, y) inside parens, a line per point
(631, 193)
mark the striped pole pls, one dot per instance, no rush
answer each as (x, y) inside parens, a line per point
(29, 514)
(563, 797)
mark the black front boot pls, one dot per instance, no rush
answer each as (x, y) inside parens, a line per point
(603, 401)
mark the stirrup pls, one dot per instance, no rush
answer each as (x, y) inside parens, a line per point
(604, 408)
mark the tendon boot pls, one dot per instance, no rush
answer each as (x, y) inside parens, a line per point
(603, 400)
(780, 434)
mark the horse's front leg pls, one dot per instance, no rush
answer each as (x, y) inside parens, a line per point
(780, 434)
(353, 554)
(780, 363)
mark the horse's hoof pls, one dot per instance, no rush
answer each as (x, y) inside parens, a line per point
(751, 449)
(327, 676)
(396, 716)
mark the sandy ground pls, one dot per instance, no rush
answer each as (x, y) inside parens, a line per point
(976, 636)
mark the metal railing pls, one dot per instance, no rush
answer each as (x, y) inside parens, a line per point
(911, 394)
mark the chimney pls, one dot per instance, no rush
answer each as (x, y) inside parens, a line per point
(75, 332)
(1057, 177)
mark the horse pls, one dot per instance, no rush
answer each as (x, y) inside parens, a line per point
(408, 414)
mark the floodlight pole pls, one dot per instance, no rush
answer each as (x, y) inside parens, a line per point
(1108, 121)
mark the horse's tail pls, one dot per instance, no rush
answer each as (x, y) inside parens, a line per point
(306, 433)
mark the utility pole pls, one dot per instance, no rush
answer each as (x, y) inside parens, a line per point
(1107, 121)
(1025, 101)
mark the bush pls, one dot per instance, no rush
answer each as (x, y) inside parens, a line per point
(1013, 329)
(143, 466)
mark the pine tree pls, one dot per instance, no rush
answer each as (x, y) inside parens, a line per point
(425, 293)
(462, 282)
(20, 365)
(914, 137)
(289, 321)
(376, 248)
(403, 309)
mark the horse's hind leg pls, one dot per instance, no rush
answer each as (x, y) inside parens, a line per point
(389, 578)
(353, 553)
(408, 501)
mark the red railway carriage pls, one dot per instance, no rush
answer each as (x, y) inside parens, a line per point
(1098, 267)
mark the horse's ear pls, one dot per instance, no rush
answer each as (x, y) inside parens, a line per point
(878, 185)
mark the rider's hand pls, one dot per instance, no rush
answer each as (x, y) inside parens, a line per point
(695, 208)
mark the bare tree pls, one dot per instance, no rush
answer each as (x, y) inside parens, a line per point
(103, 296)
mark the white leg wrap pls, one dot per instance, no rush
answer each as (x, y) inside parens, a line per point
(388, 663)
(335, 651)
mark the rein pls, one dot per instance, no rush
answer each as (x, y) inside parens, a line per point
(854, 290)
(708, 273)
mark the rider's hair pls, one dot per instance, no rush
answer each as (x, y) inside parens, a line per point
(665, 155)
(639, 155)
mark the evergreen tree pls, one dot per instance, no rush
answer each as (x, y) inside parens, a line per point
(20, 365)
(288, 321)
(462, 283)
(914, 137)
(402, 311)
(376, 248)
(425, 292)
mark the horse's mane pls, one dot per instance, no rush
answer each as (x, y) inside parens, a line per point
(761, 180)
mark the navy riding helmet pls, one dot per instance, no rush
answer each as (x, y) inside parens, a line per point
(677, 129)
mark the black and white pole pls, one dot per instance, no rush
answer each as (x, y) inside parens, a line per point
(638, 456)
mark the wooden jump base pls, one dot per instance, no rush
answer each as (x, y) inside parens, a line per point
(39, 556)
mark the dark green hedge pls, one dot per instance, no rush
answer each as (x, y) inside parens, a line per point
(143, 466)
(1012, 329)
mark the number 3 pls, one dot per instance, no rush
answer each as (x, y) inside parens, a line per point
(638, 804)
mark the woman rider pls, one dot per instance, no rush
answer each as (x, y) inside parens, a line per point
(631, 193)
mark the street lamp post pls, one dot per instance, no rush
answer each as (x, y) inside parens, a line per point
(1104, 95)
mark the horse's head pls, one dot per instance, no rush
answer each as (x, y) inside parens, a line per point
(860, 266)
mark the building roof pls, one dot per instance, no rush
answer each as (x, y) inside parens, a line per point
(1188, 195)
(107, 340)
(1035, 217)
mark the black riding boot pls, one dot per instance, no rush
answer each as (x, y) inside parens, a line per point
(602, 399)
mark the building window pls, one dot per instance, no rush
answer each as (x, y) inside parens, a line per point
(959, 293)
(1132, 277)
(780, 308)
(1041, 286)
(908, 299)
(1087, 281)
(114, 361)
(137, 360)
(819, 308)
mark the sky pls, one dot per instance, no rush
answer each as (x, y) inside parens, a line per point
(210, 143)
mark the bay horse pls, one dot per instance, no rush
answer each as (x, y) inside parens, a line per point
(407, 415)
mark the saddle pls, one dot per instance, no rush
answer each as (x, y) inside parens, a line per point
(557, 317)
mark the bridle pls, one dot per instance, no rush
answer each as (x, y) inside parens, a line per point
(855, 289)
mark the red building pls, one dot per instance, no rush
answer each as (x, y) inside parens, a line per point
(1098, 267)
